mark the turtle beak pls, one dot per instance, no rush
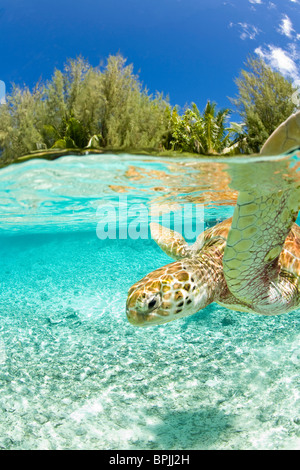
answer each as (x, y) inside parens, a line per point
(134, 317)
(143, 311)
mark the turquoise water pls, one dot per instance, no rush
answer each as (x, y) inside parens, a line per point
(74, 374)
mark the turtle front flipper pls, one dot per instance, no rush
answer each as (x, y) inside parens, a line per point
(260, 225)
(171, 242)
(175, 246)
(284, 138)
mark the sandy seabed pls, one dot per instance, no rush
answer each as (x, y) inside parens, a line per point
(76, 375)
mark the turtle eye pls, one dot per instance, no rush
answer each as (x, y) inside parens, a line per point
(152, 303)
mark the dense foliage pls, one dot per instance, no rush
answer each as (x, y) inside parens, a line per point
(263, 101)
(107, 107)
(193, 132)
(83, 106)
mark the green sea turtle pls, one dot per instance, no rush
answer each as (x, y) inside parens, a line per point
(250, 262)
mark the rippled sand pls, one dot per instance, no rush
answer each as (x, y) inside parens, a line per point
(74, 374)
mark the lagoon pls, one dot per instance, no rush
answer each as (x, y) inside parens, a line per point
(74, 373)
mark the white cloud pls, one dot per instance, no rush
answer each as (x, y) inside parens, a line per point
(248, 31)
(286, 27)
(254, 4)
(280, 60)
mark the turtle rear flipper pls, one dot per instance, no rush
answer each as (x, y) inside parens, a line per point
(260, 225)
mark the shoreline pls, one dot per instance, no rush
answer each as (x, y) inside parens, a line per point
(53, 154)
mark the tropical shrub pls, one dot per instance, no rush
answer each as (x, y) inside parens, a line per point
(200, 133)
(81, 102)
(263, 101)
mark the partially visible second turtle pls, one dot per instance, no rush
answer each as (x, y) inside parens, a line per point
(250, 262)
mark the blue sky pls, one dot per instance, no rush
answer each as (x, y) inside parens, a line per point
(191, 50)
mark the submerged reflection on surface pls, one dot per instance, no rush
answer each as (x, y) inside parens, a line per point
(66, 193)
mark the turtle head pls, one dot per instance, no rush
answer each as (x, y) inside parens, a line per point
(164, 295)
(178, 289)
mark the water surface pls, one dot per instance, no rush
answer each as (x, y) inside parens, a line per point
(74, 374)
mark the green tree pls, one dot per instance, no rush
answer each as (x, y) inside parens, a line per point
(185, 131)
(20, 122)
(66, 100)
(129, 116)
(201, 133)
(263, 101)
(237, 139)
(83, 106)
(215, 137)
